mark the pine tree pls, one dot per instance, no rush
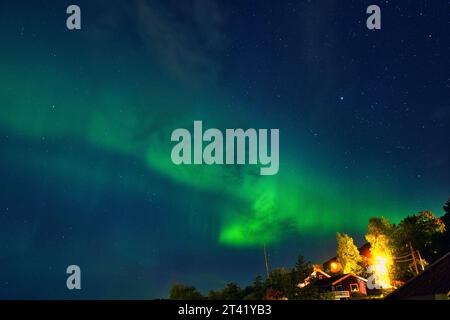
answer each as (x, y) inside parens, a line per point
(302, 269)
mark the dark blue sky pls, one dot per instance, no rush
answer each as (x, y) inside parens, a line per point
(86, 116)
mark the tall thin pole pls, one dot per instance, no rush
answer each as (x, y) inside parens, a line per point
(414, 259)
(266, 261)
(421, 261)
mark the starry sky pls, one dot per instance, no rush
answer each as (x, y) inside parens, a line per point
(86, 117)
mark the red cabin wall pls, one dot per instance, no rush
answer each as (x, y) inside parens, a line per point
(350, 280)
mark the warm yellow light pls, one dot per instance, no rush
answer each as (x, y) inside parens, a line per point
(381, 271)
(334, 266)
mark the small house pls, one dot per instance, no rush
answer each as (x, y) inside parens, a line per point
(343, 286)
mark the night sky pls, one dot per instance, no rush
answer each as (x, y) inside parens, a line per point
(86, 116)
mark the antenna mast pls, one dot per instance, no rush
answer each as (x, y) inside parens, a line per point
(266, 261)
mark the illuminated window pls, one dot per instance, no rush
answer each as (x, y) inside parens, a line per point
(354, 287)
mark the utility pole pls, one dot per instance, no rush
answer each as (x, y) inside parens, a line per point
(421, 261)
(266, 261)
(414, 258)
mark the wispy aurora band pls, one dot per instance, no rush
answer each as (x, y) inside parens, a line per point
(260, 210)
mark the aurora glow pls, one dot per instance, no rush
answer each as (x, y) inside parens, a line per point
(86, 118)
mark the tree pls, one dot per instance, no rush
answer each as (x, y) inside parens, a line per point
(302, 269)
(442, 241)
(256, 291)
(348, 254)
(280, 282)
(420, 228)
(380, 236)
(183, 292)
(299, 273)
(422, 231)
(379, 226)
(446, 207)
(419, 231)
(215, 295)
(232, 292)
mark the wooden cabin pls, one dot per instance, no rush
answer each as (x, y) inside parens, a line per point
(343, 286)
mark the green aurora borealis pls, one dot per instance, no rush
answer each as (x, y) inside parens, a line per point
(261, 209)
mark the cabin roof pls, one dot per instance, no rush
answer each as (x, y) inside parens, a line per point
(336, 279)
(434, 280)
